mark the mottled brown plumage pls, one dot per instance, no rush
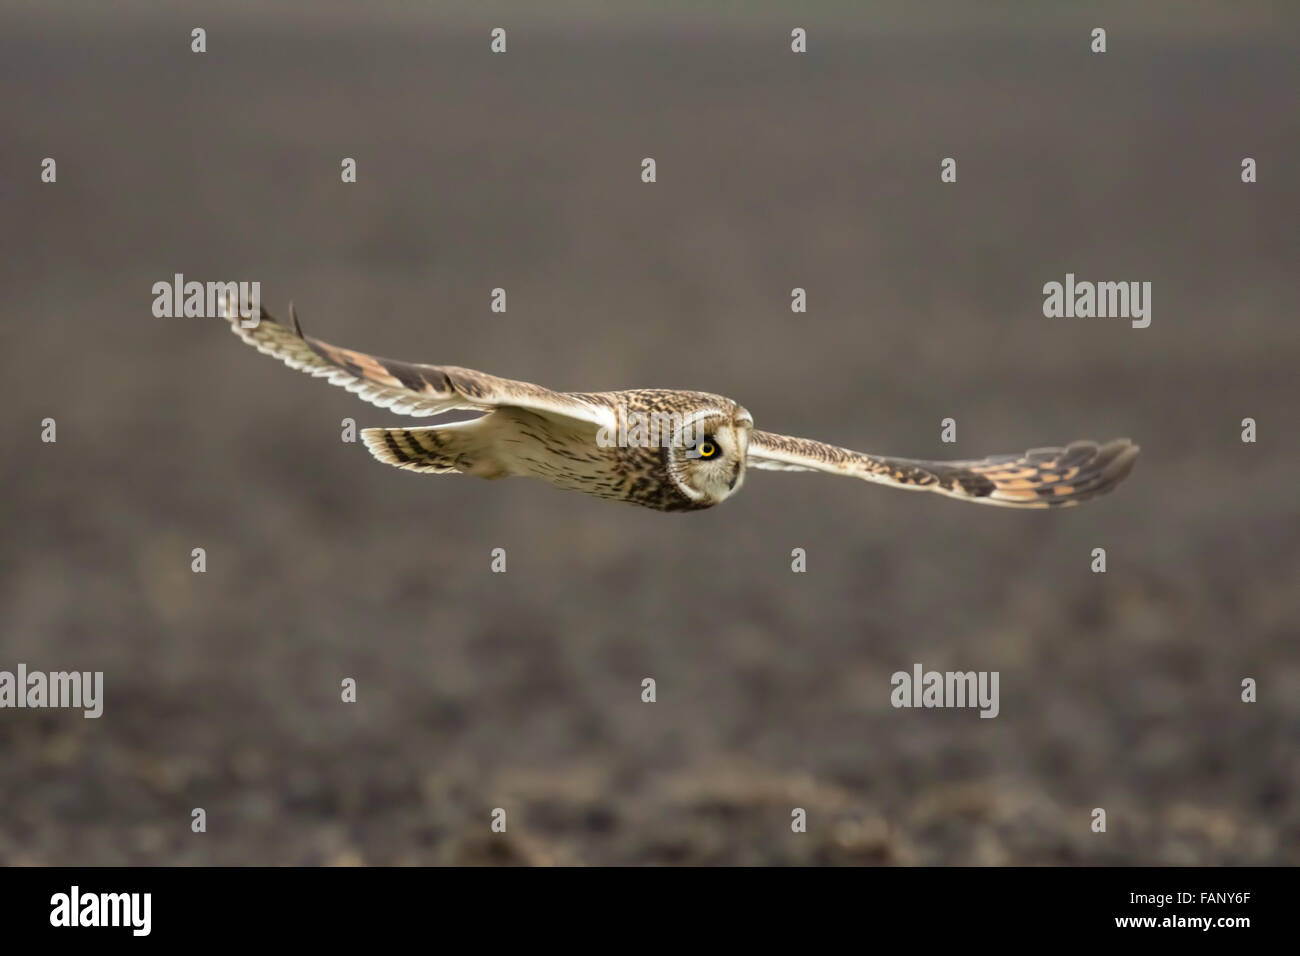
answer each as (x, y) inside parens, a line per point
(588, 441)
(1040, 478)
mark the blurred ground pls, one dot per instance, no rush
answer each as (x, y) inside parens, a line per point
(522, 690)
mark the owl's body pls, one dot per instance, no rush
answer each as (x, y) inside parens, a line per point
(516, 442)
(666, 449)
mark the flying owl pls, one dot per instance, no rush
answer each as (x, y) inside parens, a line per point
(665, 449)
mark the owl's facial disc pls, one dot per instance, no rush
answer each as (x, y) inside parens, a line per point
(707, 461)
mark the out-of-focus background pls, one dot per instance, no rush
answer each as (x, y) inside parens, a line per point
(522, 690)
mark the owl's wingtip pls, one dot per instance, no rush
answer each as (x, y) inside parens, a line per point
(1115, 460)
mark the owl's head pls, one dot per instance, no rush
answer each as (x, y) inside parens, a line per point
(706, 458)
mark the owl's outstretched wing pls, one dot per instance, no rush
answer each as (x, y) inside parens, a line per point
(1039, 478)
(408, 388)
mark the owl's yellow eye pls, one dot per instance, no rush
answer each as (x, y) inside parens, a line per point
(707, 449)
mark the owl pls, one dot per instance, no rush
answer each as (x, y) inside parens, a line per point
(666, 449)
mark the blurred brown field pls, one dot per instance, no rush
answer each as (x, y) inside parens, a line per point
(522, 691)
